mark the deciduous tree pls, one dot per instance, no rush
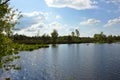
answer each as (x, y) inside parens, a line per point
(8, 19)
(54, 35)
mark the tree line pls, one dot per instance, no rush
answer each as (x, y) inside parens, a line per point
(74, 37)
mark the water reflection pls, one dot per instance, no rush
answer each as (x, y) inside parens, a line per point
(9, 64)
(65, 62)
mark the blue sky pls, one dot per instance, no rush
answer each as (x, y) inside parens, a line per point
(88, 16)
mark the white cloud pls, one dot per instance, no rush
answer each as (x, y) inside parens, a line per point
(75, 4)
(31, 19)
(44, 28)
(33, 22)
(55, 24)
(112, 22)
(58, 17)
(32, 30)
(90, 22)
(37, 16)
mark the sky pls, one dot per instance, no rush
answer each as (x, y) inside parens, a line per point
(88, 16)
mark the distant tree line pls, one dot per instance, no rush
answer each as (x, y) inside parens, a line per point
(74, 37)
(103, 38)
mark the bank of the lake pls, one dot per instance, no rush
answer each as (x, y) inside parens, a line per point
(29, 47)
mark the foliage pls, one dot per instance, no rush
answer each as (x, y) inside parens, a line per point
(54, 35)
(8, 19)
(72, 34)
(110, 38)
(24, 47)
(5, 45)
(100, 37)
(46, 39)
(77, 33)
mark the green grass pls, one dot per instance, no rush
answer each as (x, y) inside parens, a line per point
(26, 47)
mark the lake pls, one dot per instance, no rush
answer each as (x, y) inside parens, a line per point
(66, 62)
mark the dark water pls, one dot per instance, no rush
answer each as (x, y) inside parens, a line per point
(68, 62)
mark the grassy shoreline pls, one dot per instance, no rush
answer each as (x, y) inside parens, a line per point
(16, 47)
(28, 47)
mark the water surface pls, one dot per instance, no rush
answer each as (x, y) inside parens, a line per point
(68, 62)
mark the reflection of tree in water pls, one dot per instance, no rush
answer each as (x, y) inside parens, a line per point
(8, 64)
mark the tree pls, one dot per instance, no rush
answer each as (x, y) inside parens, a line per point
(7, 23)
(77, 33)
(73, 34)
(5, 45)
(5, 2)
(69, 39)
(110, 38)
(54, 35)
(8, 17)
(100, 37)
(45, 38)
